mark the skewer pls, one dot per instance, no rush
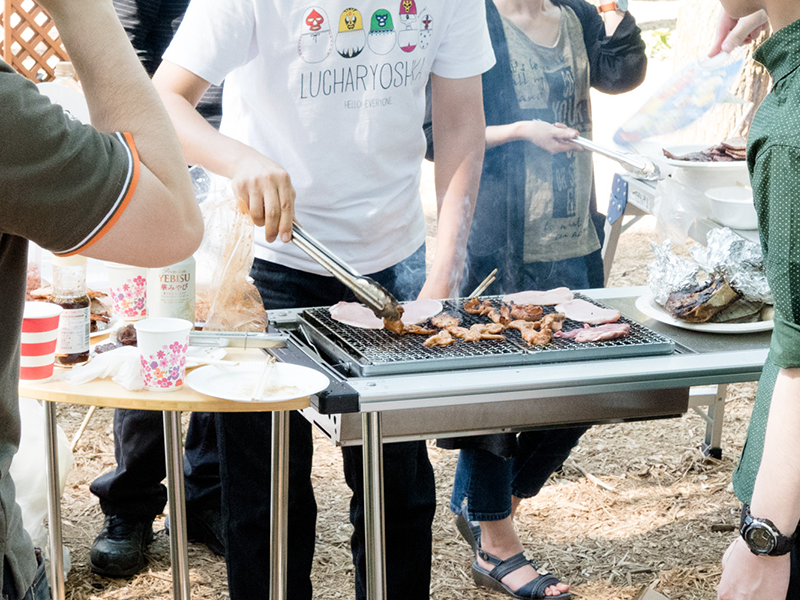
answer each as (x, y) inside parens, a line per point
(483, 285)
(258, 390)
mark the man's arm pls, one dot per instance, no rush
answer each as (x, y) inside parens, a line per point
(459, 138)
(162, 224)
(262, 183)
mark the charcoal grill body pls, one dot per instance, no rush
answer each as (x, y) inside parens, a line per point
(516, 393)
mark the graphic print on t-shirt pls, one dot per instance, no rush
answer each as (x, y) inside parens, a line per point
(562, 96)
(425, 30)
(351, 39)
(316, 40)
(381, 36)
(409, 34)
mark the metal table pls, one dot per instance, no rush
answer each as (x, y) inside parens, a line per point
(106, 393)
(440, 404)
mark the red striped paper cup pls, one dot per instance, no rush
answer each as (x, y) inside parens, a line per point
(39, 335)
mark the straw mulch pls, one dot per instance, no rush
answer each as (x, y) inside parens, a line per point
(635, 505)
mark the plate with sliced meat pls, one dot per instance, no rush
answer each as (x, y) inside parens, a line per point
(647, 305)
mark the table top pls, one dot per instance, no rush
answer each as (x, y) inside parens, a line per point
(106, 393)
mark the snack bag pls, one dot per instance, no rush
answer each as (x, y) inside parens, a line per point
(226, 298)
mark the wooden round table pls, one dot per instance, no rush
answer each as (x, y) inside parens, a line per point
(106, 393)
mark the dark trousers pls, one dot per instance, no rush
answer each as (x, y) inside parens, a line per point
(40, 588)
(244, 442)
(134, 488)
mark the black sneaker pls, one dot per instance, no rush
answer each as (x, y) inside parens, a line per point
(119, 549)
(204, 526)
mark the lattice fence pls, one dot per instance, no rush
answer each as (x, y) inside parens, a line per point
(30, 42)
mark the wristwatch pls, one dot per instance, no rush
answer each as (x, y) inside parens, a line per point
(762, 537)
(619, 5)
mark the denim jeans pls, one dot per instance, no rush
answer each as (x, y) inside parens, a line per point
(244, 441)
(134, 488)
(40, 588)
(487, 481)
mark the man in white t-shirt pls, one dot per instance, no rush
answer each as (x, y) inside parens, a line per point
(325, 103)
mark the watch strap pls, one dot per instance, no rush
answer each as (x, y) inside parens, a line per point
(603, 8)
(783, 544)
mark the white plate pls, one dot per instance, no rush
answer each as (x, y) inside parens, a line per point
(286, 382)
(197, 355)
(113, 324)
(689, 164)
(648, 305)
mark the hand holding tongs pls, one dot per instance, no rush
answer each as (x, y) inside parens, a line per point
(370, 292)
(639, 166)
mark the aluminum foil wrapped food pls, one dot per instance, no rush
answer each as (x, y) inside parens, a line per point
(738, 260)
(669, 272)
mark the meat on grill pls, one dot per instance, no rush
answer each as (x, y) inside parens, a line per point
(355, 314)
(417, 311)
(443, 338)
(418, 330)
(478, 307)
(581, 310)
(600, 333)
(443, 321)
(530, 332)
(553, 321)
(547, 298)
(526, 312)
(478, 332)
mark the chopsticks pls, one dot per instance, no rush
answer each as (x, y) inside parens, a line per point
(483, 285)
(258, 390)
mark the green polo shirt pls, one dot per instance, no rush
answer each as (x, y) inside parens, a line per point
(773, 158)
(62, 185)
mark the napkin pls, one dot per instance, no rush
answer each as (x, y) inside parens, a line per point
(121, 364)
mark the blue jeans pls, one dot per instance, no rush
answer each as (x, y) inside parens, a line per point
(244, 445)
(487, 481)
(39, 590)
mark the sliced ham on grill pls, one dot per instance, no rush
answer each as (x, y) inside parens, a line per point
(581, 310)
(600, 333)
(547, 298)
(417, 311)
(355, 314)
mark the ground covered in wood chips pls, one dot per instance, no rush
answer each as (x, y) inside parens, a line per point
(637, 504)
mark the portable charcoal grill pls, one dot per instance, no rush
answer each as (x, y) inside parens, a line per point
(373, 352)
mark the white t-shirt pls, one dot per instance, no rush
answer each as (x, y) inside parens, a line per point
(336, 96)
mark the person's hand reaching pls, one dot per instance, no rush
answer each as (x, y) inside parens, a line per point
(736, 32)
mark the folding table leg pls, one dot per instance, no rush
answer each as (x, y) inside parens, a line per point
(373, 505)
(54, 503)
(178, 550)
(279, 505)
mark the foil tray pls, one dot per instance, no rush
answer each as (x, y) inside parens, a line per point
(376, 352)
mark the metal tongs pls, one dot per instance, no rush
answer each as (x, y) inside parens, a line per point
(370, 292)
(237, 339)
(638, 166)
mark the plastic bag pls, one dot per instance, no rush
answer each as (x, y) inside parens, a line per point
(226, 299)
(123, 365)
(676, 207)
(29, 472)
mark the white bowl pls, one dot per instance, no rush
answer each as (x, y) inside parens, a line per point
(733, 207)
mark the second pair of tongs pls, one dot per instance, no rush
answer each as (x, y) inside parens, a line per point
(638, 166)
(370, 292)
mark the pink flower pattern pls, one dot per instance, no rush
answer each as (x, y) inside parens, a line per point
(130, 298)
(167, 368)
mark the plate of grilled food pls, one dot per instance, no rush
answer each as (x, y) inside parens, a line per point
(728, 154)
(698, 313)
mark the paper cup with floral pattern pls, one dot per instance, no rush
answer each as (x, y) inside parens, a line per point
(128, 291)
(163, 343)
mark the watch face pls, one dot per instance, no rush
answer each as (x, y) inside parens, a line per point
(622, 5)
(760, 538)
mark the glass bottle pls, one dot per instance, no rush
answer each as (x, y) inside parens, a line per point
(170, 291)
(69, 292)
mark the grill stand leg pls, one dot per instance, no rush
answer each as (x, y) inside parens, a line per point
(714, 398)
(178, 546)
(279, 505)
(54, 503)
(373, 505)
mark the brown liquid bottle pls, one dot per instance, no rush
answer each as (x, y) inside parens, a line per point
(69, 292)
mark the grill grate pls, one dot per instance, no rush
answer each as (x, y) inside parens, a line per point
(380, 352)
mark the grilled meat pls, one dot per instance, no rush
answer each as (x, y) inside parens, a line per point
(503, 317)
(443, 321)
(443, 338)
(600, 333)
(553, 321)
(394, 326)
(526, 312)
(478, 307)
(419, 330)
(699, 304)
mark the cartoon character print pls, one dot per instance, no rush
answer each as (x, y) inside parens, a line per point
(382, 35)
(316, 39)
(408, 38)
(425, 30)
(351, 39)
